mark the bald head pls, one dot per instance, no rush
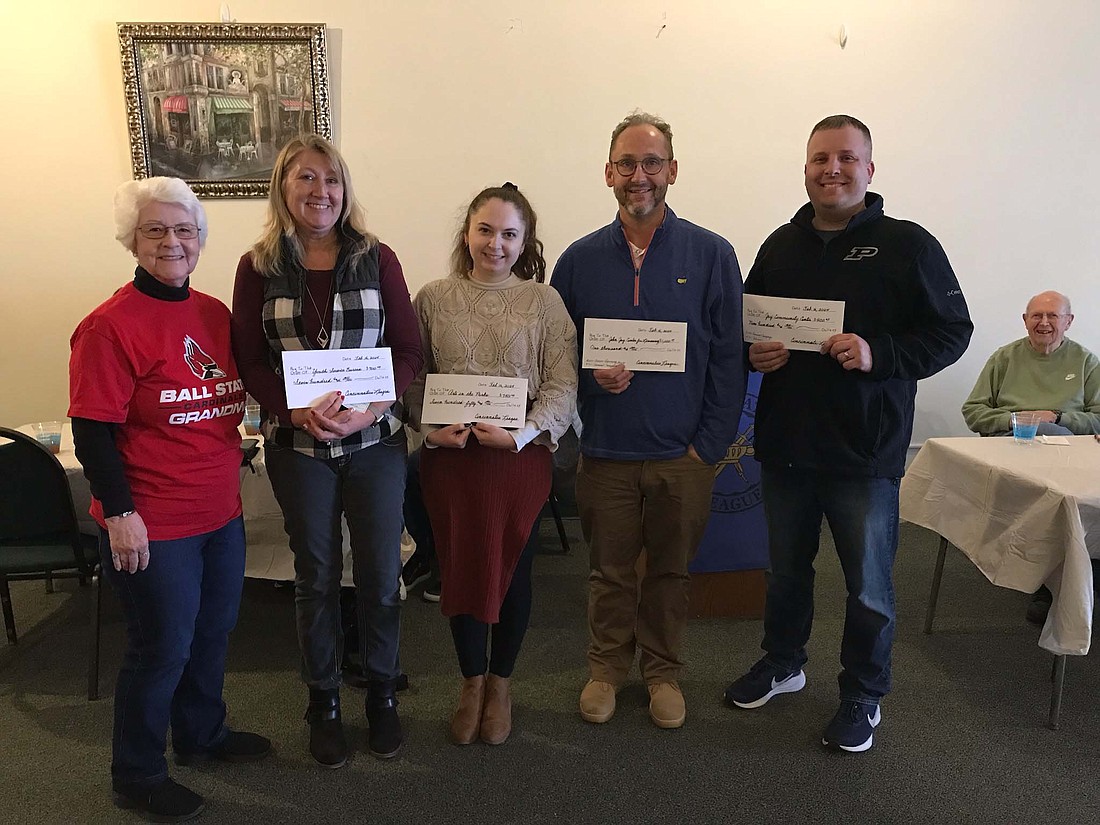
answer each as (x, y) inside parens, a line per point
(1047, 318)
(1051, 296)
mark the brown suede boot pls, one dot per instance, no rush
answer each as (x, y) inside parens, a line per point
(496, 718)
(467, 718)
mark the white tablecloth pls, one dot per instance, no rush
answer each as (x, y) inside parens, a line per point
(1025, 515)
(268, 553)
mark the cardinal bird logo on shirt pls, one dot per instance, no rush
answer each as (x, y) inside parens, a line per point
(200, 363)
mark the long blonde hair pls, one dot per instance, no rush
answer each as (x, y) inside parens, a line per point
(268, 254)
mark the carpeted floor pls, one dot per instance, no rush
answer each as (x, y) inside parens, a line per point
(963, 737)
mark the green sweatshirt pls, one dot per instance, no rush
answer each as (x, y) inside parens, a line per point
(1017, 377)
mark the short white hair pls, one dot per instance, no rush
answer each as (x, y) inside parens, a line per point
(135, 195)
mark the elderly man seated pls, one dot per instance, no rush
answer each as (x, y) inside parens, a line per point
(1045, 373)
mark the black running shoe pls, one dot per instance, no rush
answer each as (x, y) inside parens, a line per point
(761, 683)
(853, 727)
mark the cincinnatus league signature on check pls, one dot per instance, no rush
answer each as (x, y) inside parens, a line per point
(464, 399)
(799, 323)
(362, 375)
(654, 346)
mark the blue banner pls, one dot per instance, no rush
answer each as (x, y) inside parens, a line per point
(736, 537)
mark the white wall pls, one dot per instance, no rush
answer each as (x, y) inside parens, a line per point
(985, 117)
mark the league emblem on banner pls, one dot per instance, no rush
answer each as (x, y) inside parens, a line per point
(736, 537)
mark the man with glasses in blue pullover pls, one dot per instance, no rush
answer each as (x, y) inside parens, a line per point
(650, 439)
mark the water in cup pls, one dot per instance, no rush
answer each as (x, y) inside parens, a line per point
(48, 434)
(252, 419)
(1024, 425)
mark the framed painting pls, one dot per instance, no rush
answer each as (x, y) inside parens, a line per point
(213, 103)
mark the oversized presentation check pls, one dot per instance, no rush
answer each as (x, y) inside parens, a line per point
(464, 399)
(799, 323)
(655, 346)
(362, 375)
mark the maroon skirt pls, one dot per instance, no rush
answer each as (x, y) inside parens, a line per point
(482, 503)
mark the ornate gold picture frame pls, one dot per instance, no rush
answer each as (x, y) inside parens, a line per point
(213, 103)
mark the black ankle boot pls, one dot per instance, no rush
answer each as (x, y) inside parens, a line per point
(326, 732)
(385, 737)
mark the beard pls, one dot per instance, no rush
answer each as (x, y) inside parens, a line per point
(641, 208)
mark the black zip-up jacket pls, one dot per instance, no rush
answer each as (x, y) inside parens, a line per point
(901, 296)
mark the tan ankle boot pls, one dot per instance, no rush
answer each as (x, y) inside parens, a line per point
(496, 718)
(467, 718)
(597, 701)
(666, 705)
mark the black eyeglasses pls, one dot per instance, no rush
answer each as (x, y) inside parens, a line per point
(650, 165)
(182, 231)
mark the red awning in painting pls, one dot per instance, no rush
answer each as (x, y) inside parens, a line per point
(294, 105)
(176, 103)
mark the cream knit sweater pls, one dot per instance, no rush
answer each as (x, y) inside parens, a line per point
(514, 329)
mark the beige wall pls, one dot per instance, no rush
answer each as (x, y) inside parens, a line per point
(985, 117)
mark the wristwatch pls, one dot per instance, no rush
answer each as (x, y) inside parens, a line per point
(119, 516)
(1057, 416)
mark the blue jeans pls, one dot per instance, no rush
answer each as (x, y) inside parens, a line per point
(863, 517)
(367, 488)
(179, 612)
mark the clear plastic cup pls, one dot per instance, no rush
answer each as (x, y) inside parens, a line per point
(252, 419)
(48, 434)
(1024, 425)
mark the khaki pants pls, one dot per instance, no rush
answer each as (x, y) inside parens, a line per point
(625, 506)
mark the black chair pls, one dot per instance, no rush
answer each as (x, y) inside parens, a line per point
(39, 538)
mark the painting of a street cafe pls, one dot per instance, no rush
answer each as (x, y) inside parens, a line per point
(220, 111)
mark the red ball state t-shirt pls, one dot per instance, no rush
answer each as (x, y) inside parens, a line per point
(164, 371)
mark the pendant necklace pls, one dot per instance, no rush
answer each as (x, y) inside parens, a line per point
(322, 336)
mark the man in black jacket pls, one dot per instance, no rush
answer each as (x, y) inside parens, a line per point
(832, 428)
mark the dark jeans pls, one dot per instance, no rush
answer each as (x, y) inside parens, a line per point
(179, 612)
(471, 637)
(314, 494)
(863, 517)
(417, 521)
